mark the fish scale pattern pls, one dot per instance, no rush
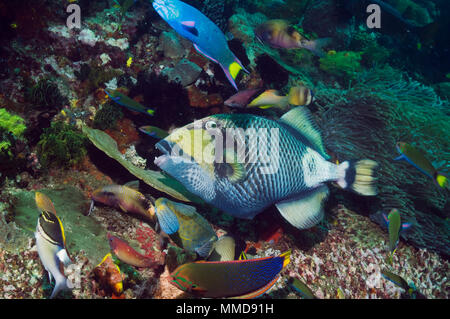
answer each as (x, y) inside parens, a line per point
(258, 190)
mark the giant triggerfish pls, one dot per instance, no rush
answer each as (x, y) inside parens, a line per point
(239, 278)
(242, 164)
(51, 244)
(207, 38)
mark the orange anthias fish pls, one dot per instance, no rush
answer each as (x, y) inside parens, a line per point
(129, 255)
(278, 34)
(248, 278)
(417, 158)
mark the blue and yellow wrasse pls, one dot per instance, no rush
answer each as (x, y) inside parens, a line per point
(129, 103)
(223, 279)
(417, 158)
(207, 38)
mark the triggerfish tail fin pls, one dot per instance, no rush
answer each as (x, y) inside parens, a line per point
(358, 176)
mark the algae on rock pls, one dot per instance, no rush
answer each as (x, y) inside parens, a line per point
(82, 232)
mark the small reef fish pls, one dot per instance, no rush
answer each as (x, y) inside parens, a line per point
(129, 103)
(278, 34)
(409, 288)
(206, 37)
(129, 255)
(195, 233)
(51, 244)
(298, 95)
(243, 97)
(224, 249)
(109, 275)
(293, 176)
(125, 198)
(239, 278)
(154, 131)
(395, 226)
(129, 61)
(301, 288)
(417, 158)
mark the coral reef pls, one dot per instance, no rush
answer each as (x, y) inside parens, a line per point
(343, 64)
(107, 116)
(61, 145)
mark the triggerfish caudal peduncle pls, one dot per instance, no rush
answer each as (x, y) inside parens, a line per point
(207, 38)
(224, 279)
(129, 103)
(51, 244)
(416, 158)
(129, 255)
(287, 165)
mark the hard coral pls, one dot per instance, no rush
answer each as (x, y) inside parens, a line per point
(61, 145)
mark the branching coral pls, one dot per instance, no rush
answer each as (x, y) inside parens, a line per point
(367, 120)
(61, 145)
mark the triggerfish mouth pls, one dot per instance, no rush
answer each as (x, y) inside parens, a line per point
(243, 163)
(227, 279)
(207, 38)
(51, 244)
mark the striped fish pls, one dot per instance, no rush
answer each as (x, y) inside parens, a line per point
(222, 279)
(51, 244)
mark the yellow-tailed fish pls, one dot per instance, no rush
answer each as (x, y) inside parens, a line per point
(129, 103)
(127, 199)
(195, 233)
(223, 279)
(51, 244)
(301, 288)
(417, 158)
(298, 95)
(206, 36)
(278, 34)
(340, 293)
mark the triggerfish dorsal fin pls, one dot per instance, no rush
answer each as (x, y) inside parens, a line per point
(300, 118)
(304, 212)
(167, 219)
